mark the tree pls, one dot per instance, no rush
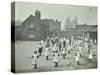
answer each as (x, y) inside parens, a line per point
(73, 23)
(76, 21)
(67, 23)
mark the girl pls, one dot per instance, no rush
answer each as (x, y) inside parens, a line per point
(55, 59)
(63, 52)
(40, 49)
(90, 55)
(47, 53)
(54, 48)
(69, 48)
(80, 50)
(35, 56)
(77, 57)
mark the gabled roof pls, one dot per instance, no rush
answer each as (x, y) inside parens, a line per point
(31, 16)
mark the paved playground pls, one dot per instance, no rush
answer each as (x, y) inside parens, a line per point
(24, 50)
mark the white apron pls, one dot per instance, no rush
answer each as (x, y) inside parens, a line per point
(68, 47)
(80, 49)
(54, 49)
(86, 45)
(90, 55)
(46, 51)
(55, 59)
(34, 59)
(64, 51)
(77, 57)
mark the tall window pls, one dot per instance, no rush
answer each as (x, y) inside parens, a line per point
(31, 36)
(31, 25)
(31, 33)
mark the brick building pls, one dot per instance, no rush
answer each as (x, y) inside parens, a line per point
(35, 28)
(89, 31)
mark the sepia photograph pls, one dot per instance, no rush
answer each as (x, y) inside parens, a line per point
(53, 37)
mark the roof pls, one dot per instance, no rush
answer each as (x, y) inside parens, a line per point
(86, 28)
(31, 16)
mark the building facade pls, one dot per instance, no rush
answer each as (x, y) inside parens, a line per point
(35, 28)
(89, 31)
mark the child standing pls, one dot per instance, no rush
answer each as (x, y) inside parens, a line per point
(40, 49)
(47, 53)
(64, 52)
(55, 59)
(80, 50)
(77, 58)
(90, 55)
(54, 48)
(69, 48)
(35, 56)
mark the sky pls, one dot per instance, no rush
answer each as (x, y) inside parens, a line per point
(85, 14)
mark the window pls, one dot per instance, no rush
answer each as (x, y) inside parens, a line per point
(31, 36)
(31, 25)
(30, 31)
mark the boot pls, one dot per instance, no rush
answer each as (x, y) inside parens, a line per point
(46, 57)
(56, 64)
(35, 66)
(68, 52)
(78, 63)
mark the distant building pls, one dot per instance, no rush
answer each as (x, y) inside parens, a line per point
(54, 26)
(70, 24)
(35, 28)
(89, 31)
(18, 32)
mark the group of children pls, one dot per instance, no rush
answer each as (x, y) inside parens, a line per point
(62, 46)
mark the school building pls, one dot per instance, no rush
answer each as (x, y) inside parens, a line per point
(89, 31)
(35, 28)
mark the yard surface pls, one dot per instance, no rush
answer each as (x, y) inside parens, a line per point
(24, 50)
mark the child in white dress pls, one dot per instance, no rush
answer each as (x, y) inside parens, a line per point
(90, 55)
(77, 58)
(64, 52)
(80, 50)
(55, 58)
(35, 57)
(47, 53)
(69, 48)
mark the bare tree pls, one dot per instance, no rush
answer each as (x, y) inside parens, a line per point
(67, 23)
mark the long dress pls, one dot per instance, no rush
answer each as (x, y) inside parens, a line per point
(55, 59)
(54, 49)
(40, 48)
(51, 46)
(42, 42)
(86, 45)
(90, 55)
(34, 59)
(64, 51)
(80, 49)
(68, 47)
(47, 52)
(77, 57)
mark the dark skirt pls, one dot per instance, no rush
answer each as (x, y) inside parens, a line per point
(40, 50)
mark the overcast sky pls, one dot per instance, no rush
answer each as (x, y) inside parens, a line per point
(85, 14)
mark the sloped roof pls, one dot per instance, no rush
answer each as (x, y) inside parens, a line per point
(86, 28)
(31, 16)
